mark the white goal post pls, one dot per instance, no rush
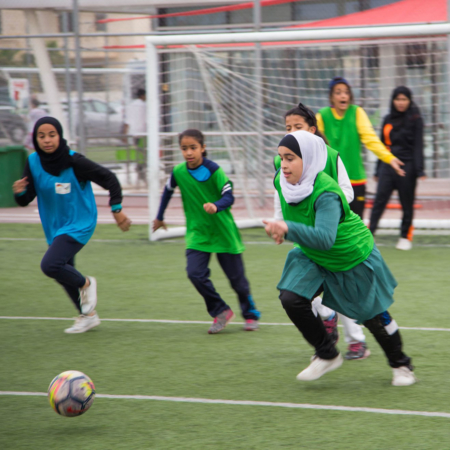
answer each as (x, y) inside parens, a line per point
(155, 43)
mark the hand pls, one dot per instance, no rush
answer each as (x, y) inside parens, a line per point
(396, 165)
(375, 178)
(210, 208)
(20, 185)
(423, 178)
(123, 222)
(158, 224)
(276, 230)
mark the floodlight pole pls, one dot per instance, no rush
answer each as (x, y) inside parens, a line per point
(259, 116)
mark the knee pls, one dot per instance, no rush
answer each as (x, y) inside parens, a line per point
(50, 268)
(194, 274)
(290, 300)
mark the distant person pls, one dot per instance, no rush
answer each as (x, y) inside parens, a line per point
(346, 126)
(61, 180)
(402, 133)
(34, 115)
(136, 126)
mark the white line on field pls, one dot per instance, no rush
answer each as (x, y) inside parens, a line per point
(187, 322)
(401, 412)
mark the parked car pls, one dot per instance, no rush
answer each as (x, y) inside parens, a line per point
(100, 119)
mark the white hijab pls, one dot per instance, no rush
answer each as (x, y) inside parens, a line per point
(314, 156)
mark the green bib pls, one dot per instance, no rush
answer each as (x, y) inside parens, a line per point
(210, 233)
(342, 134)
(354, 242)
(330, 167)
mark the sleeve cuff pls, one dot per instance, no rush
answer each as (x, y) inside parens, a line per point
(21, 193)
(388, 158)
(116, 207)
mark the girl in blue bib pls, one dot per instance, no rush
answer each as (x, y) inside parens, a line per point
(61, 180)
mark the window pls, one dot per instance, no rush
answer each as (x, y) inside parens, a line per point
(100, 26)
(315, 11)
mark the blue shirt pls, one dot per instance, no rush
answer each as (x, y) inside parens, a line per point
(66, 206)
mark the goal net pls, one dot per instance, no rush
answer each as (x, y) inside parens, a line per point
(237, 95)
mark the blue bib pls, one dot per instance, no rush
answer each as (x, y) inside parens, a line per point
(65, 206)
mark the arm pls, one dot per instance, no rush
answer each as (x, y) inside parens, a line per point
(87, 170)
(369, 138)
(278, 213)
(418, 148)
(320, 123)
(24, 191)
(344, 181)
(165, 199)
(322, 236)
(227, 198)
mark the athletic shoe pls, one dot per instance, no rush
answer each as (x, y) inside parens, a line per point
(251, 325)
(404, 244)
(320, 367)
(221, 321)
(88, 297)
(331, 327)
(357, 351)
(403, 376)
(83, 323)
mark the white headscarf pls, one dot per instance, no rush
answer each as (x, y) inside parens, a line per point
(314, 156)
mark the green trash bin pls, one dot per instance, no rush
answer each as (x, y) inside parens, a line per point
(12, 162)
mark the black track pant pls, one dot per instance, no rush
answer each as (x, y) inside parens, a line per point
(59, 263)
(359, 199)
(389, 181)
(382, 326)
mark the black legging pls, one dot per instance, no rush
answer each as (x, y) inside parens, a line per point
(299, 310)
(389, 181)
(59, 263)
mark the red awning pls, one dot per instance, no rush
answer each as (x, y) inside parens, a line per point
(400, 13)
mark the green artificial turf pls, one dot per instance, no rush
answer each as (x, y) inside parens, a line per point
(142, 280)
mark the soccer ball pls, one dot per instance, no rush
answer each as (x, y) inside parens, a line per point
(71, 393)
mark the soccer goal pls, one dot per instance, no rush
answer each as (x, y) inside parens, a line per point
(236, 88)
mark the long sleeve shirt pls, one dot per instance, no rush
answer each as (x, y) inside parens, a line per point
(323, 235)
(226, 200)
(85, 170)
(366, 134)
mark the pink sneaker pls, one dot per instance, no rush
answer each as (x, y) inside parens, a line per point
(251, 325)
(221, 321)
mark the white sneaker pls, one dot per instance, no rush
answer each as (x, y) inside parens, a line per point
(88, 297)
(83, 323)
(320, 367)
(403, 376)
(404, 244)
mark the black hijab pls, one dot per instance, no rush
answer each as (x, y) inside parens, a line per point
(53, 163)
(398, 118)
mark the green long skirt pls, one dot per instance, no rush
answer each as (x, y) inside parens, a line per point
(359, 293)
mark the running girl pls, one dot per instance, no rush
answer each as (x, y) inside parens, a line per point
(207, 196)
(61, 181)
(302, 118)
(337, 257)
(346, 126)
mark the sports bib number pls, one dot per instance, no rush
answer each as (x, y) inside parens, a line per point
(62, 188)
